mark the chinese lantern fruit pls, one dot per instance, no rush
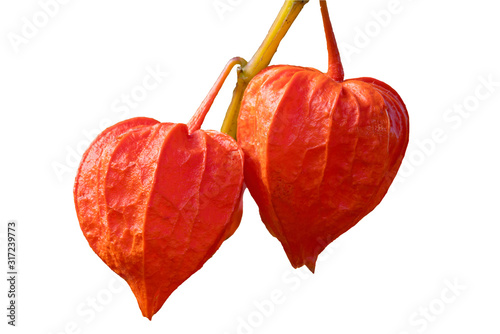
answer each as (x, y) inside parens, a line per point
(156, 200)
(320, 151)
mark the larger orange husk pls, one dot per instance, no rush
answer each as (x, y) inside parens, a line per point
(320, 152)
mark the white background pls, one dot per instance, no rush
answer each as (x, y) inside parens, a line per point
(437, 227)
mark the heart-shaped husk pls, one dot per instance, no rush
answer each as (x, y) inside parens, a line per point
(320, 152)
(156, 200)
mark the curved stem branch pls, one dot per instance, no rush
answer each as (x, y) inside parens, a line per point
(261, 60)
(198, 118)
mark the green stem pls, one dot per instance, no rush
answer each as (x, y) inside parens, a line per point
(261, 60)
